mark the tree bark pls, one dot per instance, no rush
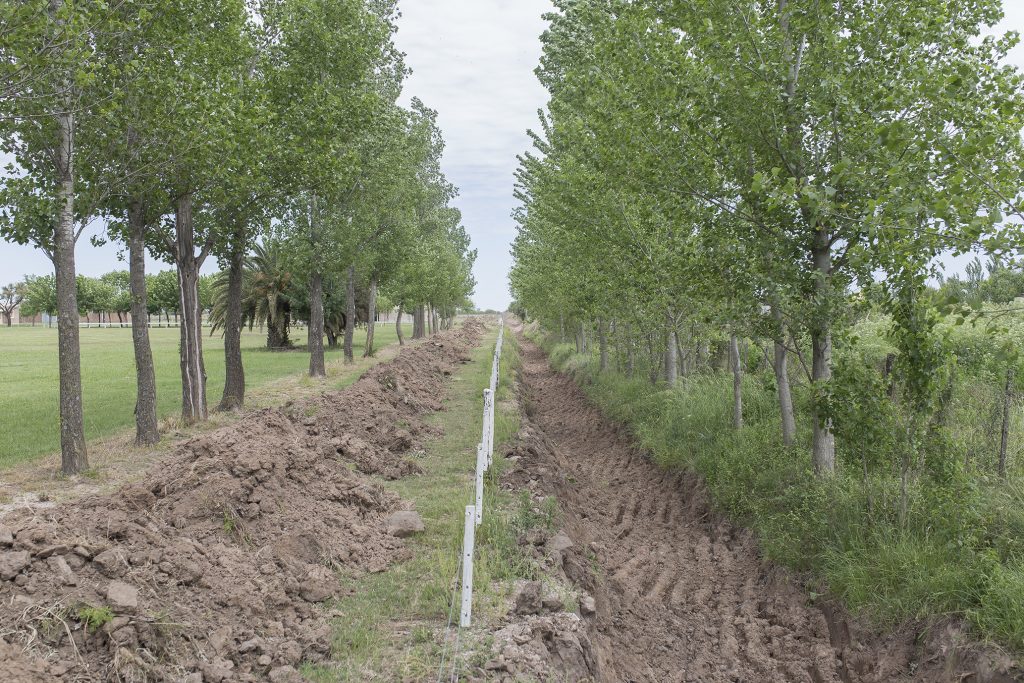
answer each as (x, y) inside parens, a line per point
(418, 322)
(350, 314)
(671, 366)
(193, 371)
(233, 397)
(824, 443)
(398, 326)
(146, 430)
(371, 315)
(737, 382)
(317, 367)
(1004, 433)
(781, 368)
(602, 343)
(73, 456)
(656, 362)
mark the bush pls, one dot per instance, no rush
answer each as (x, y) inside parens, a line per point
(960, 550)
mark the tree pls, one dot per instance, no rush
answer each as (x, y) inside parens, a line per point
(208, 40)
(265, 294)
(40, 296)
(50, 72)
(164, 292)
(749, 184)
(333, 69)
(11, 297)
(120, 301)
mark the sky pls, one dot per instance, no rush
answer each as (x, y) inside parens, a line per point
(472, 61)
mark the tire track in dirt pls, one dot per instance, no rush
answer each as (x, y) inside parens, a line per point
(681, 595)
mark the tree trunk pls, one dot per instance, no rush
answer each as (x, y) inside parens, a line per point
(398, 326)
(317, 368)
(146, 430)
(417, 322)
(7, 319)
(737, 382)
(824, 443)
(1004, 433)
(73, 456)
(630, 358)
(656, 359)
(350, 314)
(276, 338)
(371, 315)
(602, 343)
(781, 368)
(193, 371)
(233, 397)
(671, 366)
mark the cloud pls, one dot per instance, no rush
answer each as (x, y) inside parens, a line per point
(473, 62)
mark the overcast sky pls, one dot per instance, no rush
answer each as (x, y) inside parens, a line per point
(473, 62)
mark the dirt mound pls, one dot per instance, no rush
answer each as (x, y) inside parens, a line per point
(680, 594)
(374, 422)
(211, 568)
(548, 647)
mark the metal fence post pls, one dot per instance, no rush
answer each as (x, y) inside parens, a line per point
(481, 465)
(485, 437)
(467, 568)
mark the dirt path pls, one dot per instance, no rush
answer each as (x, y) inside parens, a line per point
(680, 595)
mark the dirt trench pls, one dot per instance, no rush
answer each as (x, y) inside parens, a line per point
(682, 595)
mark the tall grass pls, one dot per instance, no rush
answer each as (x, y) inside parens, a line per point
(960, 552)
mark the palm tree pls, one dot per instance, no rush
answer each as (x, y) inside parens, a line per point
(265, 284)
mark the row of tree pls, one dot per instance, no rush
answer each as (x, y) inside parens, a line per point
(744, 169)
(105, 296)
(209, 128)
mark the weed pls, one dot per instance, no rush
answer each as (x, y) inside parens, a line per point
(94, 618)
(422, 634)
(960, 551)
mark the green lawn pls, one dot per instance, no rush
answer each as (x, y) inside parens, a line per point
(28, 378)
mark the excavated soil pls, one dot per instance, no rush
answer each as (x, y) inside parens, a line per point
(211, 567)
(680, 594)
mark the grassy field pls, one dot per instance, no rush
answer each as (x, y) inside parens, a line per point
(28, 375)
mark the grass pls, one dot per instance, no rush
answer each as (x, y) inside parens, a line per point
(28, 375)
(959, 554)
(393, 624)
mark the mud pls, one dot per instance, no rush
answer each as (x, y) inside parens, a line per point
(214, 565)
(678, 593)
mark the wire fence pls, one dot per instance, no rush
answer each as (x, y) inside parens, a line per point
(474, 515)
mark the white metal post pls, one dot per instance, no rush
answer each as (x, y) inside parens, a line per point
(481, 465)
(490, 436)
(485, 437)
(467, 567)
